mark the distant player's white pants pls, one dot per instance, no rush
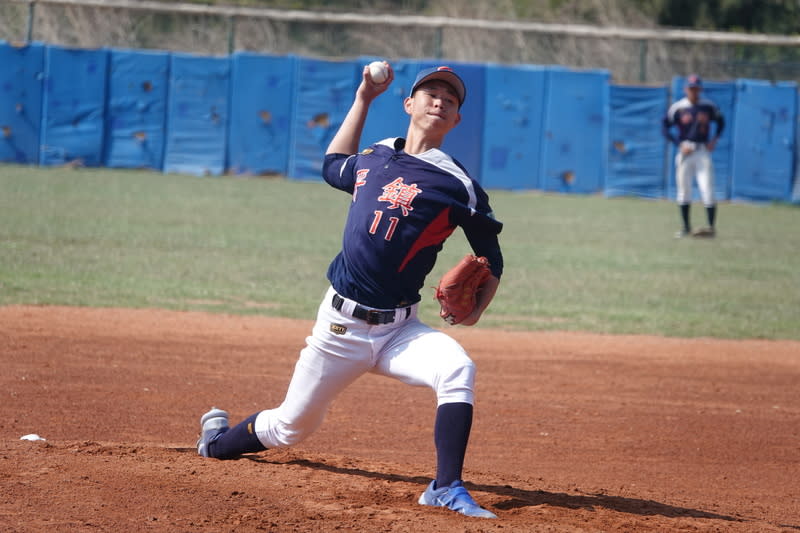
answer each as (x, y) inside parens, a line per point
(695, 165)
(407, 350)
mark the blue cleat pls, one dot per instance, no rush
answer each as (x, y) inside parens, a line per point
(456, 498)
(212, 424)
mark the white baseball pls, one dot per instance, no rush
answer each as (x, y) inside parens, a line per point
(378, 71)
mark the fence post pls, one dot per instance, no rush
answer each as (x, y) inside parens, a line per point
(643, 61)
(29, 30)
(231, 34)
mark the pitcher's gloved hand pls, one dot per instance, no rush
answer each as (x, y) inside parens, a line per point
(459, 286)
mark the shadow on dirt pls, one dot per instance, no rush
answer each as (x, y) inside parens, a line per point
(525, 498)
(518, 498)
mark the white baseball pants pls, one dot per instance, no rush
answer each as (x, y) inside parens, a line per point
(695, 165)
(407, 350)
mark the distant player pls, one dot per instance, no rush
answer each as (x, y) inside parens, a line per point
(407, 198)
(693, 115)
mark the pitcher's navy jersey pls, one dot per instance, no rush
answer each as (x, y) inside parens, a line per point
(693, 121)
(403, 209)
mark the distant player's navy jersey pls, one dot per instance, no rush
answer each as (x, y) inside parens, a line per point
(692, 120)
(403, 209)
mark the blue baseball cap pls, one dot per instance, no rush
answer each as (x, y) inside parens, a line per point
(694, 81)
(445, 74)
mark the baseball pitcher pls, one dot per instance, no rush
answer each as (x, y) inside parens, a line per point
(407, 198)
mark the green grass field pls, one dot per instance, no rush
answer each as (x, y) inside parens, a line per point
(102, 237)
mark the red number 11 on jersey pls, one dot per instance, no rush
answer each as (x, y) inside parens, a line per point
(376, 222)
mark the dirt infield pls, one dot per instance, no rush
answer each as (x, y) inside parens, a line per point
(573, 432)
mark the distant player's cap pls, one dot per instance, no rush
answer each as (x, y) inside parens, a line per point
(445, 74)
(694, 81)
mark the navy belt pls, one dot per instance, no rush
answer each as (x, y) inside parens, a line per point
(370, 316)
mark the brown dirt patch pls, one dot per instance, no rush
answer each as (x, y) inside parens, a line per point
(573, 432)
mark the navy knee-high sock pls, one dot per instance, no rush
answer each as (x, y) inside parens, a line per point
(687, 225)
(237, 440)
(711, 214)
(451, 434)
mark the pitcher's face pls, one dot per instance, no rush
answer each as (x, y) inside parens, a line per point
(434, 105)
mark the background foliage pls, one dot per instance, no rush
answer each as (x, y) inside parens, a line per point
(646, 61)
(776, 16)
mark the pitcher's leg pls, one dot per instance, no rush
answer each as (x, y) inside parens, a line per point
(451, 435)
(427, 357)
(320, 375)
(318, 378)
(423, 356)
(332, 359)
(233, 442)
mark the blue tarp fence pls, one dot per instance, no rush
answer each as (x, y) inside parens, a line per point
(764, 137)
(262, 91)
(73, 106)
(136, 107)
(21, 84)
(636, 147)
(524, 127)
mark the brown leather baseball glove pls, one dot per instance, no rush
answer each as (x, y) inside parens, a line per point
(459, 286)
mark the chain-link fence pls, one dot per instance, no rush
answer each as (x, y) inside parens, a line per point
(651, 58)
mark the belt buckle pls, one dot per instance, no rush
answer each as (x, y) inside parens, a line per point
(374, 316)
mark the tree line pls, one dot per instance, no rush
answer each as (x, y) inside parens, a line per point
(756, 16)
